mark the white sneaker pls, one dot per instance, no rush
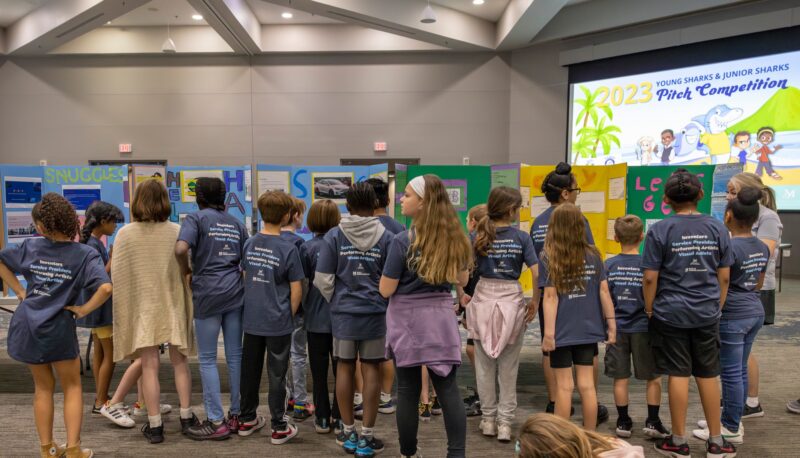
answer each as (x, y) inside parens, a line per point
(504, 432)
(140, 410)
(488, 427)
(733, 438)
(117, 415)
(793, 406)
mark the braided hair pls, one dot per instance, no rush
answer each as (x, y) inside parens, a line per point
(210, 193)
(98, 213)
(683, 187)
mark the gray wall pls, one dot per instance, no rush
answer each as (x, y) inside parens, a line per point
(231, 110)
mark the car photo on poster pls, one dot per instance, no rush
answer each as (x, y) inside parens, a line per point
(331, 186)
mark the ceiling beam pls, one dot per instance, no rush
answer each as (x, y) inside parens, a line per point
(453, 29)
(146, 40)
(234, 21)
(313, 38)
(523, 19)
(56, 23)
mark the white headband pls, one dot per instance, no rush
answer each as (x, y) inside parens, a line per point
(418, 185)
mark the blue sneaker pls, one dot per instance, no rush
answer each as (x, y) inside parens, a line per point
(351, 443)
(368, 447)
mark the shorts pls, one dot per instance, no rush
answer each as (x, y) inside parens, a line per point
(618, 357)
(768, 301)
(683, 352)
(104, 332)
(579, 355)
(368, 351)
(470, 342)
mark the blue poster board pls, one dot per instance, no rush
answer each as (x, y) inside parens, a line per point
(180, 185)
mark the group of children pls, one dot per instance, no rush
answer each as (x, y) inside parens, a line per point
(374, 300)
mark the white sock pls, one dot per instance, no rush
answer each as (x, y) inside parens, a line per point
(752, 401)
(186, 413)
(348, 428)
(366, 432)
(155, 420)
(118, 405)
(386, 397)
(357, 398)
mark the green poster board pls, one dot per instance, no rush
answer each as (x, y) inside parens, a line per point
(467, 185)
(645, 186)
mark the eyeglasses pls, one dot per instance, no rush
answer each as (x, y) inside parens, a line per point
(578, 190)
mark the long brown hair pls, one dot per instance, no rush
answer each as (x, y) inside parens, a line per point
(502, 201)
(565, 247)
(545, 435)
(751, 180)
(150, 202)
(440, 249)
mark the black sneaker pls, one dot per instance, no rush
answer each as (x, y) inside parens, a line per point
(300, 414)
(624, 427)
(368, 447)
(655, 429)
(322, 426)
(209, 431)
(551, 408)
(95, 409)
(436, 408)
(726, 450)
(187, 423)
(474, 409)
(154, 435)
(668, 448)
(602, 414)
(749, 412)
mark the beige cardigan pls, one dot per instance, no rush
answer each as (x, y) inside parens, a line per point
(152, 304)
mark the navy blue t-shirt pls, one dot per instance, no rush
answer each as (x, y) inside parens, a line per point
(687, 250)
(539, 230)
(391, 224)
(358, 311)
(751, 257)
(579, 319)
(291, 236)
(104, 316)
(625, 277)
(396, 268)
(217, 242)
(512, 249)
(316, 310)
(270, 264)
(41, 330)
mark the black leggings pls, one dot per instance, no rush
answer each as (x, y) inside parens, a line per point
(409, 386)
(320, 351)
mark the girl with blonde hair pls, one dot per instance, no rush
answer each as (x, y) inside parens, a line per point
(544, 435)
(421, 266)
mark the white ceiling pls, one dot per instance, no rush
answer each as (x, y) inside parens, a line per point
(159, 13)
(269, 13)
(491, 10)
(13, 10)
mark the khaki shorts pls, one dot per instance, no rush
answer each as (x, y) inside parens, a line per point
(104, 332)
(370, 351)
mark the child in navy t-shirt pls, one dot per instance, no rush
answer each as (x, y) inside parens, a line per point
(624, 273)
(578, 311)
(273, 275)
(686, 262)
(42, 331)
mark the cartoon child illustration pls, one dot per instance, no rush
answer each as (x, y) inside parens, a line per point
(765, 136)
(667, 146)
(740, 148)
(644, 150)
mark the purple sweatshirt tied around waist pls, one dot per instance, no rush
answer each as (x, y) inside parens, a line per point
(422, 329)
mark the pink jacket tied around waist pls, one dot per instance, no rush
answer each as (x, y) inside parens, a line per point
(496, 314)
(422, 329)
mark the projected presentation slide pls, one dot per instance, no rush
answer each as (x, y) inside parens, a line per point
(742, 111)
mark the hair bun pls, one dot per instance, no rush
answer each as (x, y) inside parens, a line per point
(563, 168)
(749, 196)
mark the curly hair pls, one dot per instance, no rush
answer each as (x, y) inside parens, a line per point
(98, 213)
(56, 215)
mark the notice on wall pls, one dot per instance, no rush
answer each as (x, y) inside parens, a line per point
(592, 202)
(525, 191)
(610, 229)
(248, 185)
(81, 196)
(616, 188)
(457, 192)
(23, 192)
(20, 227)
(189, 181)
(148, 172)
(273, 180)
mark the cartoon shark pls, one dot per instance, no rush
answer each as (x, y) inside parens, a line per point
(716, 122)
(687, 143)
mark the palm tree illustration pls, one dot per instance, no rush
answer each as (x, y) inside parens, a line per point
(601, 135)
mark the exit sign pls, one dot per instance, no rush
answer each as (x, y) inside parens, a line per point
(125, 147)
(380, 147)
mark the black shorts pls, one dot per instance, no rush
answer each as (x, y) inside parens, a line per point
(768, 301)
(634, 345)
(683, 352)
(470, 342)
(579, 355)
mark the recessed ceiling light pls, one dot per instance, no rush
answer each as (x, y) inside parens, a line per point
(108, 23)
(197, 17)
(287, 15)
(478, 2)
